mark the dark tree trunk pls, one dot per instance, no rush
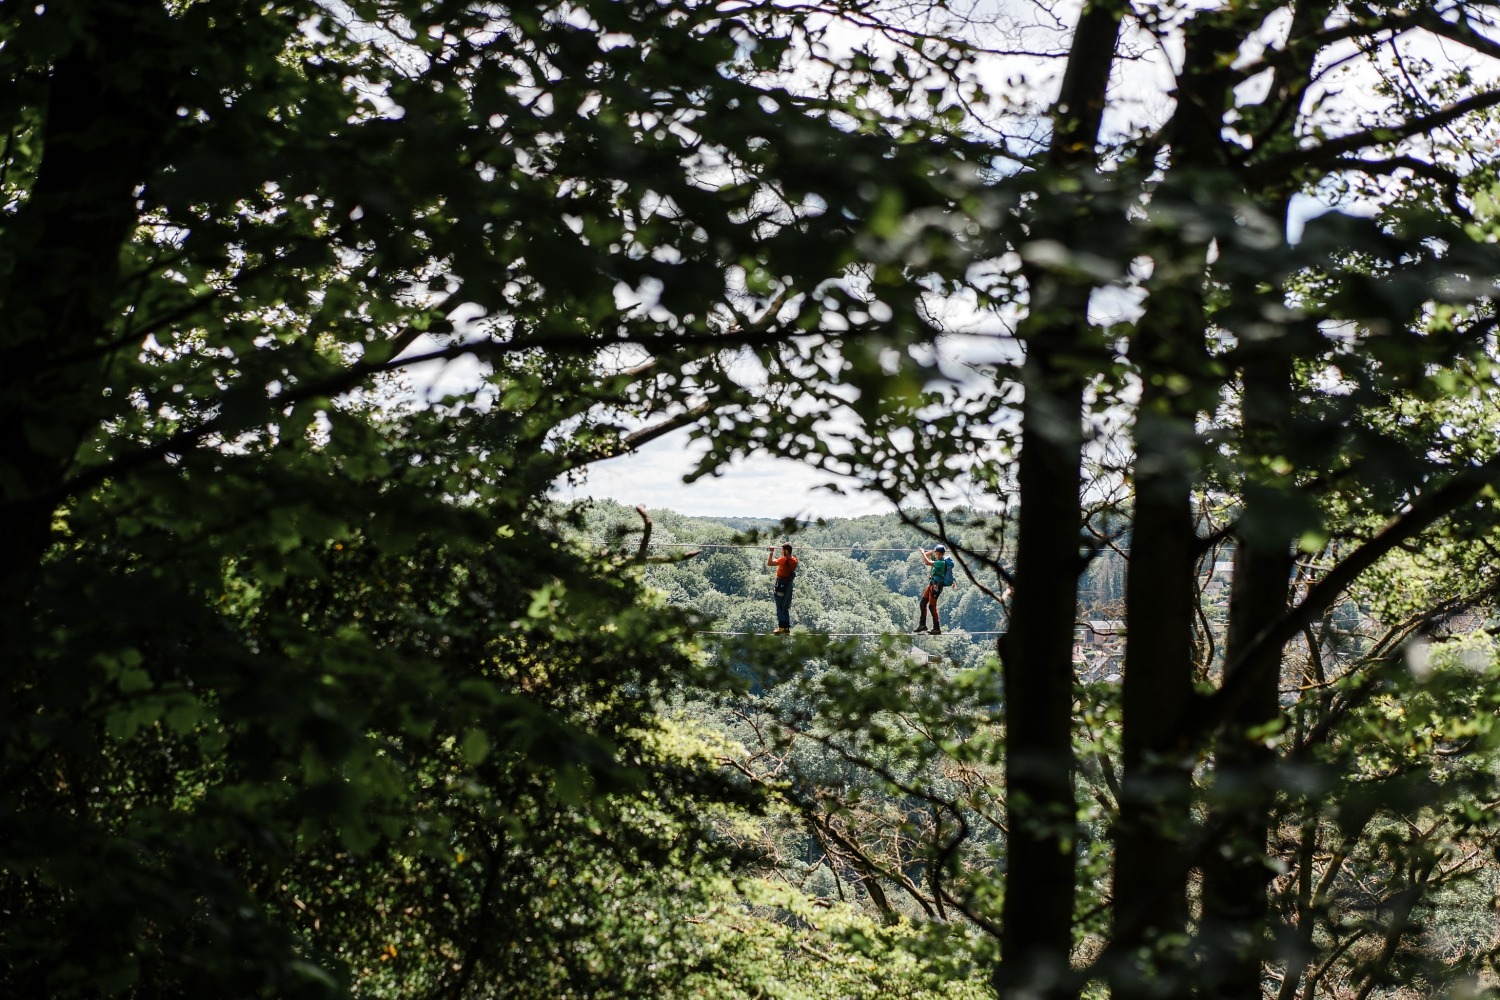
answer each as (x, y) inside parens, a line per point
(1156, 829)
(1153, 836)
(1040, 883)
(1235, 873)
(58, 301)
(1236, 876)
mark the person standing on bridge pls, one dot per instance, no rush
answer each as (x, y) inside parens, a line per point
(940, 577)
(786, 573)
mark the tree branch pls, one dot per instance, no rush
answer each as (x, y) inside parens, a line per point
(1330, 152)
(1423, 512)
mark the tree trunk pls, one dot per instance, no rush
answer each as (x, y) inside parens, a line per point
(1236, 875)
(1155, 832)
(58, 303)
(1153, 835)
(1041, 881)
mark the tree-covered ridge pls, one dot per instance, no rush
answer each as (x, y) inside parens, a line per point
(855, 576)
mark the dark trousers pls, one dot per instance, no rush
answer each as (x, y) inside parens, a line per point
(927, 601)
(783, 597)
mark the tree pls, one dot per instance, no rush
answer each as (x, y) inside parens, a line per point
(272, 625)
(1279, 379)
(1215, 347)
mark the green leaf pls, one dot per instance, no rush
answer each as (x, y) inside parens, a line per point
(476, 746)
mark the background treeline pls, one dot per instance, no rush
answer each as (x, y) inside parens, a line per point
(855, 575)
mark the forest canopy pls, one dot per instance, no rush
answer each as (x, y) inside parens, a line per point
(313, 688)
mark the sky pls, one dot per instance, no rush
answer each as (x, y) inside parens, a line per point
(766, 486)
(757, 487)
(760, 486)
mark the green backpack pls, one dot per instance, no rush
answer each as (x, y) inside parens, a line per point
(942, 573)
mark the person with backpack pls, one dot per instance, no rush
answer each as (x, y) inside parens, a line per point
(786, 573)
(940, 577)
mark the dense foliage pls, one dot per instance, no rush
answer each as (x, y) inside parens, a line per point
(306, 690)
(311, 690)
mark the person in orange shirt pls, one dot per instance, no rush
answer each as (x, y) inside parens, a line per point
(786, 573)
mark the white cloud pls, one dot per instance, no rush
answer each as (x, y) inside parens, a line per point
(759, 486)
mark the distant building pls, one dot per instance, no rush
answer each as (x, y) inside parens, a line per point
(1099, 650)
(1104, 632)
(1456, 623)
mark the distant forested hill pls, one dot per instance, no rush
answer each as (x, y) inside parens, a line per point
(856, 575)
